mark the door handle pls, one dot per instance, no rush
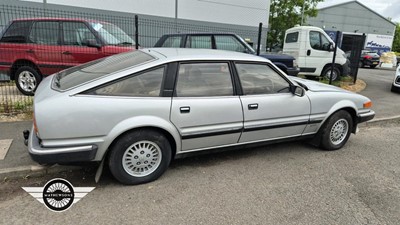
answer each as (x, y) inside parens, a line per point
(252, 106)
(185, 109)
(308, 52)
(29, 51)
(66, 53)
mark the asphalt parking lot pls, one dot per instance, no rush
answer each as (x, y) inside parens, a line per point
(379, 82)
(291, 183)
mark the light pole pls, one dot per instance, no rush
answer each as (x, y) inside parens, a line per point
(302, 13)
(45, 7)
(176, 16)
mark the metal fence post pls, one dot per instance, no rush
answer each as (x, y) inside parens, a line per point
(358, 56)
(136, 32)
(259, 38)
(334, 56)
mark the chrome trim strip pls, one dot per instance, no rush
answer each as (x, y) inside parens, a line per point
(236, 144)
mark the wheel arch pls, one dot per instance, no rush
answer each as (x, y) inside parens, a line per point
(158, 124)
(338, 66)
(22, 62)
(169, 137)
(345, 105)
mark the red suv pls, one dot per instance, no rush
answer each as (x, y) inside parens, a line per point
(33, 48)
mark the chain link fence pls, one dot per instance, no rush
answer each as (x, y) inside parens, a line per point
(48, 40)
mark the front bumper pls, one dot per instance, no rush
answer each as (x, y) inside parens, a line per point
(346, 68)
(58, 154)
(293, 71)
(365, 116)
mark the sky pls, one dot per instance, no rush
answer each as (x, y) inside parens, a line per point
(387, 8)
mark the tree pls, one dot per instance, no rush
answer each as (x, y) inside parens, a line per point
(396, 40)
(285, 14)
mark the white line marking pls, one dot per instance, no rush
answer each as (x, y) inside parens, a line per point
(4, 146)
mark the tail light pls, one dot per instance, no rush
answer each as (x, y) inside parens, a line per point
(367, 57)
(35, 128)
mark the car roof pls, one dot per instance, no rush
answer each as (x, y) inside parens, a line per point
(200, 33)
(58, 19)
(178, 54)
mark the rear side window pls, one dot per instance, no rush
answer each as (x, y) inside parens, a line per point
(45, 33)
(17, 32)
(172, 42)
(292, 37)
(77, 75)
(147, 84)
(203, 41)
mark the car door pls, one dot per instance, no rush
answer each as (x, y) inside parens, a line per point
(271, 111)
(317, 50)
(75, 49)
(46, 49)
(204, 108)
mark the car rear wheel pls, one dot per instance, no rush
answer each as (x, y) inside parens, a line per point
(372, 66)
(361, 64)
(394, 88)
(27, 79)
(139, 157)
(335, 73)
(336, 131)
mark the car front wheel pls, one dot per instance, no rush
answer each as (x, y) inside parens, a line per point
(336, 131)
(27, 79)
(335, 73)
(139, 157)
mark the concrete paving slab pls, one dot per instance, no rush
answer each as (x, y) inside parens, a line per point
(4, 147)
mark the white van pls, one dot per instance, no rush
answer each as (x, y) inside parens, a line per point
(313, 50)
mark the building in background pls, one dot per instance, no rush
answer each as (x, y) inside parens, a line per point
(354, 19)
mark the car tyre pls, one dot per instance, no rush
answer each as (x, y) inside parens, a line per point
(361, 64)
(327, 73)
(139, 157)
(372, 66)
(394, 89)
(336, 131)
(27, 80)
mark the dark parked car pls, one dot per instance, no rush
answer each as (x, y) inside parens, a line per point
(31, 49)
(225, 41)
(369, 58)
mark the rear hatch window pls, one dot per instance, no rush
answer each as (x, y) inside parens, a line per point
(94, 70)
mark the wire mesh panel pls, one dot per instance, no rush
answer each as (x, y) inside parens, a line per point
(36, 42)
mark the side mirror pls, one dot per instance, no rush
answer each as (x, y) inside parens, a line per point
(330, 47)
(92, 43)
(298, 91)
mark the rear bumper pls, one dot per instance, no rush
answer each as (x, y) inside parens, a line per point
(371, 62)
(58, 154)
(364, 117)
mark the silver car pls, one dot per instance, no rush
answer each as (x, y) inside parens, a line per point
(396, 81)
(138, 110)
